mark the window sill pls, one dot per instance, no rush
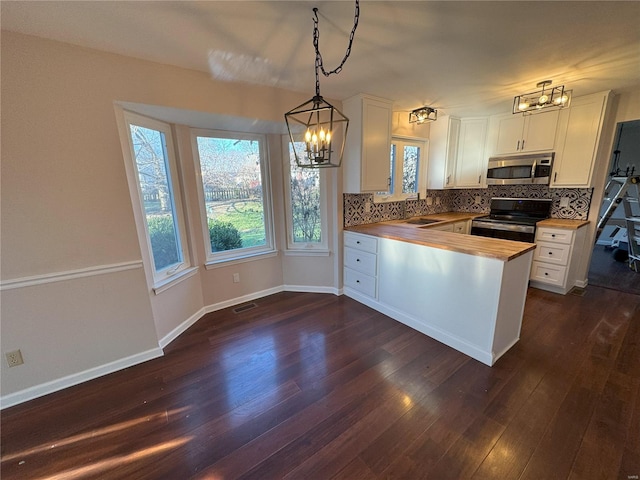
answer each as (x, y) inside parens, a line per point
(169, 282)
(307, 253)
(211, 264)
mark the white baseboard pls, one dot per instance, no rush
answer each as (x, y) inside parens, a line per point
(76, 378)
(311, 289)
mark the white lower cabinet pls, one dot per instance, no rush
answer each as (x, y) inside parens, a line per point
(361, 263)
(556, 258)
(471, 303)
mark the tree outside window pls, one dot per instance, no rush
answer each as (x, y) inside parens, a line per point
(232, 191)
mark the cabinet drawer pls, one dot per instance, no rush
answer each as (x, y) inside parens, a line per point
(555, 253)
(461, 227)
(361, 242)
(361, 261)
(551, 274)
(361, 282)
(448, 227)
(556, 235)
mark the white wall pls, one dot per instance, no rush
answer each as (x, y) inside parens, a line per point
(66, 209)
(625, 107)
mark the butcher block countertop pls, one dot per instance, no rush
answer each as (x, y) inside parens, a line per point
(563, 223)
(504, 250)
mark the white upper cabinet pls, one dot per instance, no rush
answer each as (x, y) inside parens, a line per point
(457, 152)
(513, 134)
(579, 130)
(443, 150)
(367, 156)
(471, 162)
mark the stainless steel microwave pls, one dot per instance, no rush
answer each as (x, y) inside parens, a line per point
(520, 169)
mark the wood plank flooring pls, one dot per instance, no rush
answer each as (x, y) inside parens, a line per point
(314, 386)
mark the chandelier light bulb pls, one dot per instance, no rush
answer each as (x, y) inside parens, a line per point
(523, 105)
(543, 99)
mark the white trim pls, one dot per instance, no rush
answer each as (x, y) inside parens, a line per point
(169, 282)
(311, 289)
(69, 275)
(323, 244)
(307, 253)
(245, 298)
(76, 378)
(211, 264)
(95, 372)
(180, 329)
(135, 191)
(267, 200)
(453, 341)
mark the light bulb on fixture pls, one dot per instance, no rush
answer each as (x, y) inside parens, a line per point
(317, 118)
(544, 98)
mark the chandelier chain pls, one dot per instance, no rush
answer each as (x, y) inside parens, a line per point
(316, 39)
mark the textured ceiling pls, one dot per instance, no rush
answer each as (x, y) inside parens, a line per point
(461, 57)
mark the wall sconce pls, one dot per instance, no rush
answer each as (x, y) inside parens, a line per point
(423, 114)
(542, 99)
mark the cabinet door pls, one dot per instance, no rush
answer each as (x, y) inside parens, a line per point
(510, 128)
(540, 131)
(471, 161)
(453, 137)
(578, 137)
(376, 145)
(443, 148)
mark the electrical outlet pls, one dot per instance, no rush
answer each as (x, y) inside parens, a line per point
(367, 207)
(236, 278)
(437, 200)
(14, 358)
(478, 199)
(564, 202)
(429, 201)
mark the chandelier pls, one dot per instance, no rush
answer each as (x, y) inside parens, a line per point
(545, 98)
(423, 114)
(313, 124)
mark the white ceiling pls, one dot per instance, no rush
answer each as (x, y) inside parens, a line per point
(461, 57)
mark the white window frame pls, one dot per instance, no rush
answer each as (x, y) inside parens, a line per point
(401, 141)
(244, 254)
(298, 248)
(161, 279)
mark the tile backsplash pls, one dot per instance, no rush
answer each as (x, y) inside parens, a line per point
(567, 203)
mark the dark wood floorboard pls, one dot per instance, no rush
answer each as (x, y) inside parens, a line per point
(605, 271)
(313, 386)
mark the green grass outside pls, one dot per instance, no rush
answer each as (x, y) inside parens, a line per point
(247, 216)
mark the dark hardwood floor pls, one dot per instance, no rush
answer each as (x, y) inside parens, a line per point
(605, 271)
(313, 386)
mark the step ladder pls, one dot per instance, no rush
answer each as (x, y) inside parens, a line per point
(628, 194)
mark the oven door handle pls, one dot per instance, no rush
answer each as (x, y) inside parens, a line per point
(504, 226)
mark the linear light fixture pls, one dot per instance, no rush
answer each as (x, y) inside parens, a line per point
(545, 98)
(423, 114)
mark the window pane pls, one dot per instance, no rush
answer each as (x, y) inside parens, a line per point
(410, 169)
(305, 202)
(150, 153)
(232, 187)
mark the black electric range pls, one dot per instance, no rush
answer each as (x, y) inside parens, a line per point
(512, 218)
